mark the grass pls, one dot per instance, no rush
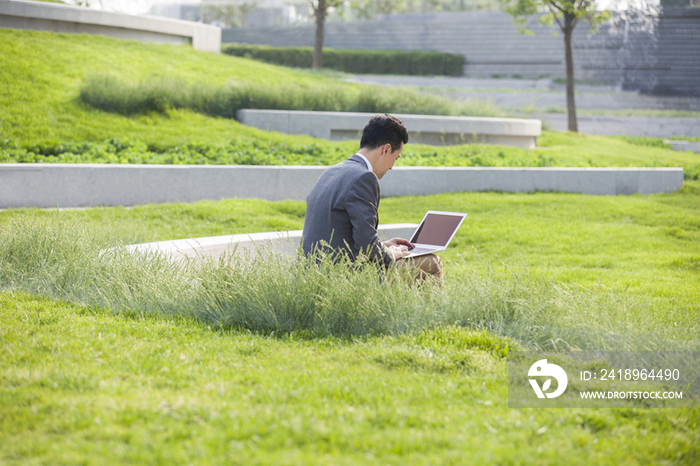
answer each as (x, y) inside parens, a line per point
(43, 119)
(141, 369)
(555, 150)
(81, 385)
(67, 261)
(644, 247)
(42, 103)
(108, 93)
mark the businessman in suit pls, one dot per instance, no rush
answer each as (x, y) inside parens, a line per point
(342, 208)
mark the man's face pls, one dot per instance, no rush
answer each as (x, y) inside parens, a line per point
(387, 159)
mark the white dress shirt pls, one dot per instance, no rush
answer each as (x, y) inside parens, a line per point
(369, 165)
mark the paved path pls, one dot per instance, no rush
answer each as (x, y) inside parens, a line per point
(661, 127)
(548, 100)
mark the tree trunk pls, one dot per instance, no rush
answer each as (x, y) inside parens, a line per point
(318, 44)
(570, 102)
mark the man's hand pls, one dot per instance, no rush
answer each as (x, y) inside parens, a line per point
(398, 247)
(399, 242)
(397, 252)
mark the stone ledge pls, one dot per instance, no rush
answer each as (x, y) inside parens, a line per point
(284, 242)
(422, 129)
(420, 181)
(85, 185)
(693, 146)
(69, 19)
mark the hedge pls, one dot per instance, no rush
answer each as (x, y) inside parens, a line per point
(357, 61)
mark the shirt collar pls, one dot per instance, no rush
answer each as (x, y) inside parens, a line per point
(369, 165)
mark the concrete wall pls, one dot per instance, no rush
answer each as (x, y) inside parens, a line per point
(63, 18)
(77, 185)
(676, 66)
(286, 242)
(83, 185)
(655, 53)
(423, 129)
(419, 181)
(489, 41)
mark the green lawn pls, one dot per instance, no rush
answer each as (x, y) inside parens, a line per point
(645, 246)
(87, 385)
(40, 112)
(46, 71)
(82, 386)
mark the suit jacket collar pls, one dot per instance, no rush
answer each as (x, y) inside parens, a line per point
(358, 159)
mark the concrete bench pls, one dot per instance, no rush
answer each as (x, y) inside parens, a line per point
(693, 146)
(284, 242)
(423, 129)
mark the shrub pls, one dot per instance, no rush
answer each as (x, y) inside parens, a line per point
(253, 151)
(401, 62)
(239, 151)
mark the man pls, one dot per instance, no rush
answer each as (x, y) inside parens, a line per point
(342, 208)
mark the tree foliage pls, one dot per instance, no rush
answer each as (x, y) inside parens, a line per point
(370, 9)
(226, 14)
(557, 10)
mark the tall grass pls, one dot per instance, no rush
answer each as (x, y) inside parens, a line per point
(315, 295)
(110, 94)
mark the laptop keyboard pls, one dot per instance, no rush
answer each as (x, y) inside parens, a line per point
(420, 250)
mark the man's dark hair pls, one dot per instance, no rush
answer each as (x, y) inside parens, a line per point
(384, 129)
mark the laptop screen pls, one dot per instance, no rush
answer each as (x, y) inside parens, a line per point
(437, 229)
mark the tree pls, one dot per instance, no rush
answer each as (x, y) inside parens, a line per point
(567, 14)
(320, 9)
(226, 14)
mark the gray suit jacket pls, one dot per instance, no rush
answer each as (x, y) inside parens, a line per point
(341, 210)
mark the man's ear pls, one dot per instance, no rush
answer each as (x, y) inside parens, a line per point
(386, 149)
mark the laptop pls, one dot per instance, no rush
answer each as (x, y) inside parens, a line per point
(435, 232)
